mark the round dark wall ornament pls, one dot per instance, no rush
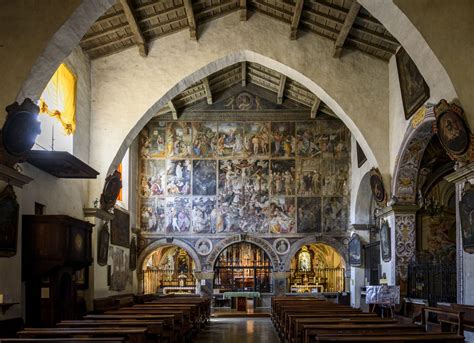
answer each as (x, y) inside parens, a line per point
(111, 191)
(19, 131)
(452, 129)
(378, 189)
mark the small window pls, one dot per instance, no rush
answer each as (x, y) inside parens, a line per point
(58, 112)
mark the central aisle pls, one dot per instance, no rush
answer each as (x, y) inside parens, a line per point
(238, 330)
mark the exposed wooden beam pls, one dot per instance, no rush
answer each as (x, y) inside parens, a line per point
(295, 20)
(243, 10)
(281, 89)
(188, 6)
(137, 33)
(244, 74)
(207, 88)
(174, 111)
(346, 27)
(107, 31)
(315, 107)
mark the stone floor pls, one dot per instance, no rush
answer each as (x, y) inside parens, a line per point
(238, 330)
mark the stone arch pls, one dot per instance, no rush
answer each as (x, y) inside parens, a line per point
(61, 45)
(332, 242)
(166, 242)
(364, 202)
(226, 61)
(261, 243)
(405, 175)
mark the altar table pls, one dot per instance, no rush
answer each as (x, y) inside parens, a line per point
(245, 301)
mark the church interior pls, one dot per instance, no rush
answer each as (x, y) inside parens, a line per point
(237, 170)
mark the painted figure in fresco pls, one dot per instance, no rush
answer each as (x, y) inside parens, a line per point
(282, 247)
(281, 217)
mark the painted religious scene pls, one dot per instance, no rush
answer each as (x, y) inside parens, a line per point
(267, 178)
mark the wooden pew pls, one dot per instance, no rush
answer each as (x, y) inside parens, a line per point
(66, 340)
(420, 338)
(134, 335)
(155, 328)
(310, 331)
(170, 329)
(294, 331)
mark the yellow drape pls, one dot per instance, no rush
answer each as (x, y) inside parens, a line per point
(59, 98)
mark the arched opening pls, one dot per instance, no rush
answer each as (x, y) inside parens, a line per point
(169, 269)
(243, 266)
(365, 203)
(432, 275)
(317, 268)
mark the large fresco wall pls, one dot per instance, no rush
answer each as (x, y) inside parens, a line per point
(268, 178)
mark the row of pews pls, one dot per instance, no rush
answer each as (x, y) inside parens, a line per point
(167, 319)
(310, 319)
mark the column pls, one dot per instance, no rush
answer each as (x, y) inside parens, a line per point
(402, 222)
(464, 260)
(280, 283)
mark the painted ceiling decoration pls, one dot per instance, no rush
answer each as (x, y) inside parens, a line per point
(137, 22)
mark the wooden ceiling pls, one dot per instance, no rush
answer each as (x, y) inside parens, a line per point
(137, 22)
(245, 73)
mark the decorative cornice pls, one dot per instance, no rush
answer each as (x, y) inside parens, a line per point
(98, 213)
(397, 209)
(13, 177)
(462, 174)
(360, 227)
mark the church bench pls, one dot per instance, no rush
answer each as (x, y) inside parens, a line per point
(421, 338)
(134, 334)
(192, 312)
(66, 340)
(155, 328)
(444, 315)
(290, 317)
(182, 317)
(143, 298)
(171, 328)
(294, 330)
(282, 311)
(310, 331)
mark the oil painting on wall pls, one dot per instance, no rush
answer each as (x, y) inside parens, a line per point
(273, 178)
(120, 277)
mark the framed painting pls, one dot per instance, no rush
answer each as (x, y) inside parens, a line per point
(82, 278)
(355, 251)
(103, 246)
(9, 211)
(385, 241)
(120, 228)
(413, 87)
(466, 213)
(452, 129)
(377, 187)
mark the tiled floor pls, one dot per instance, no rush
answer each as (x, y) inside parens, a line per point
(238, 330)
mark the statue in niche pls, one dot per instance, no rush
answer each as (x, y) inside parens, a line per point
(304, 260)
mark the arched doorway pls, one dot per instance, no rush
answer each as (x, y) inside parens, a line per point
(317, 268)
(243, 266)
(169, 269)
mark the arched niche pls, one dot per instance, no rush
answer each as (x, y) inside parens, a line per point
(261, 243)
(364, 204)
(405, 175)
(224, 62)
(336, 244)
(167, 242)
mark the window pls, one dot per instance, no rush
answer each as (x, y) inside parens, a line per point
(58, 111)
(123, 169)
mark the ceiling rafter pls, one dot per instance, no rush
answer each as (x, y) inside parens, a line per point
(188, 6)
(174, 111)
(346, 27)
(281, 89)
(243, 10)
(295, 20)
(137, 33)
(207, 88)
(315, 107)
